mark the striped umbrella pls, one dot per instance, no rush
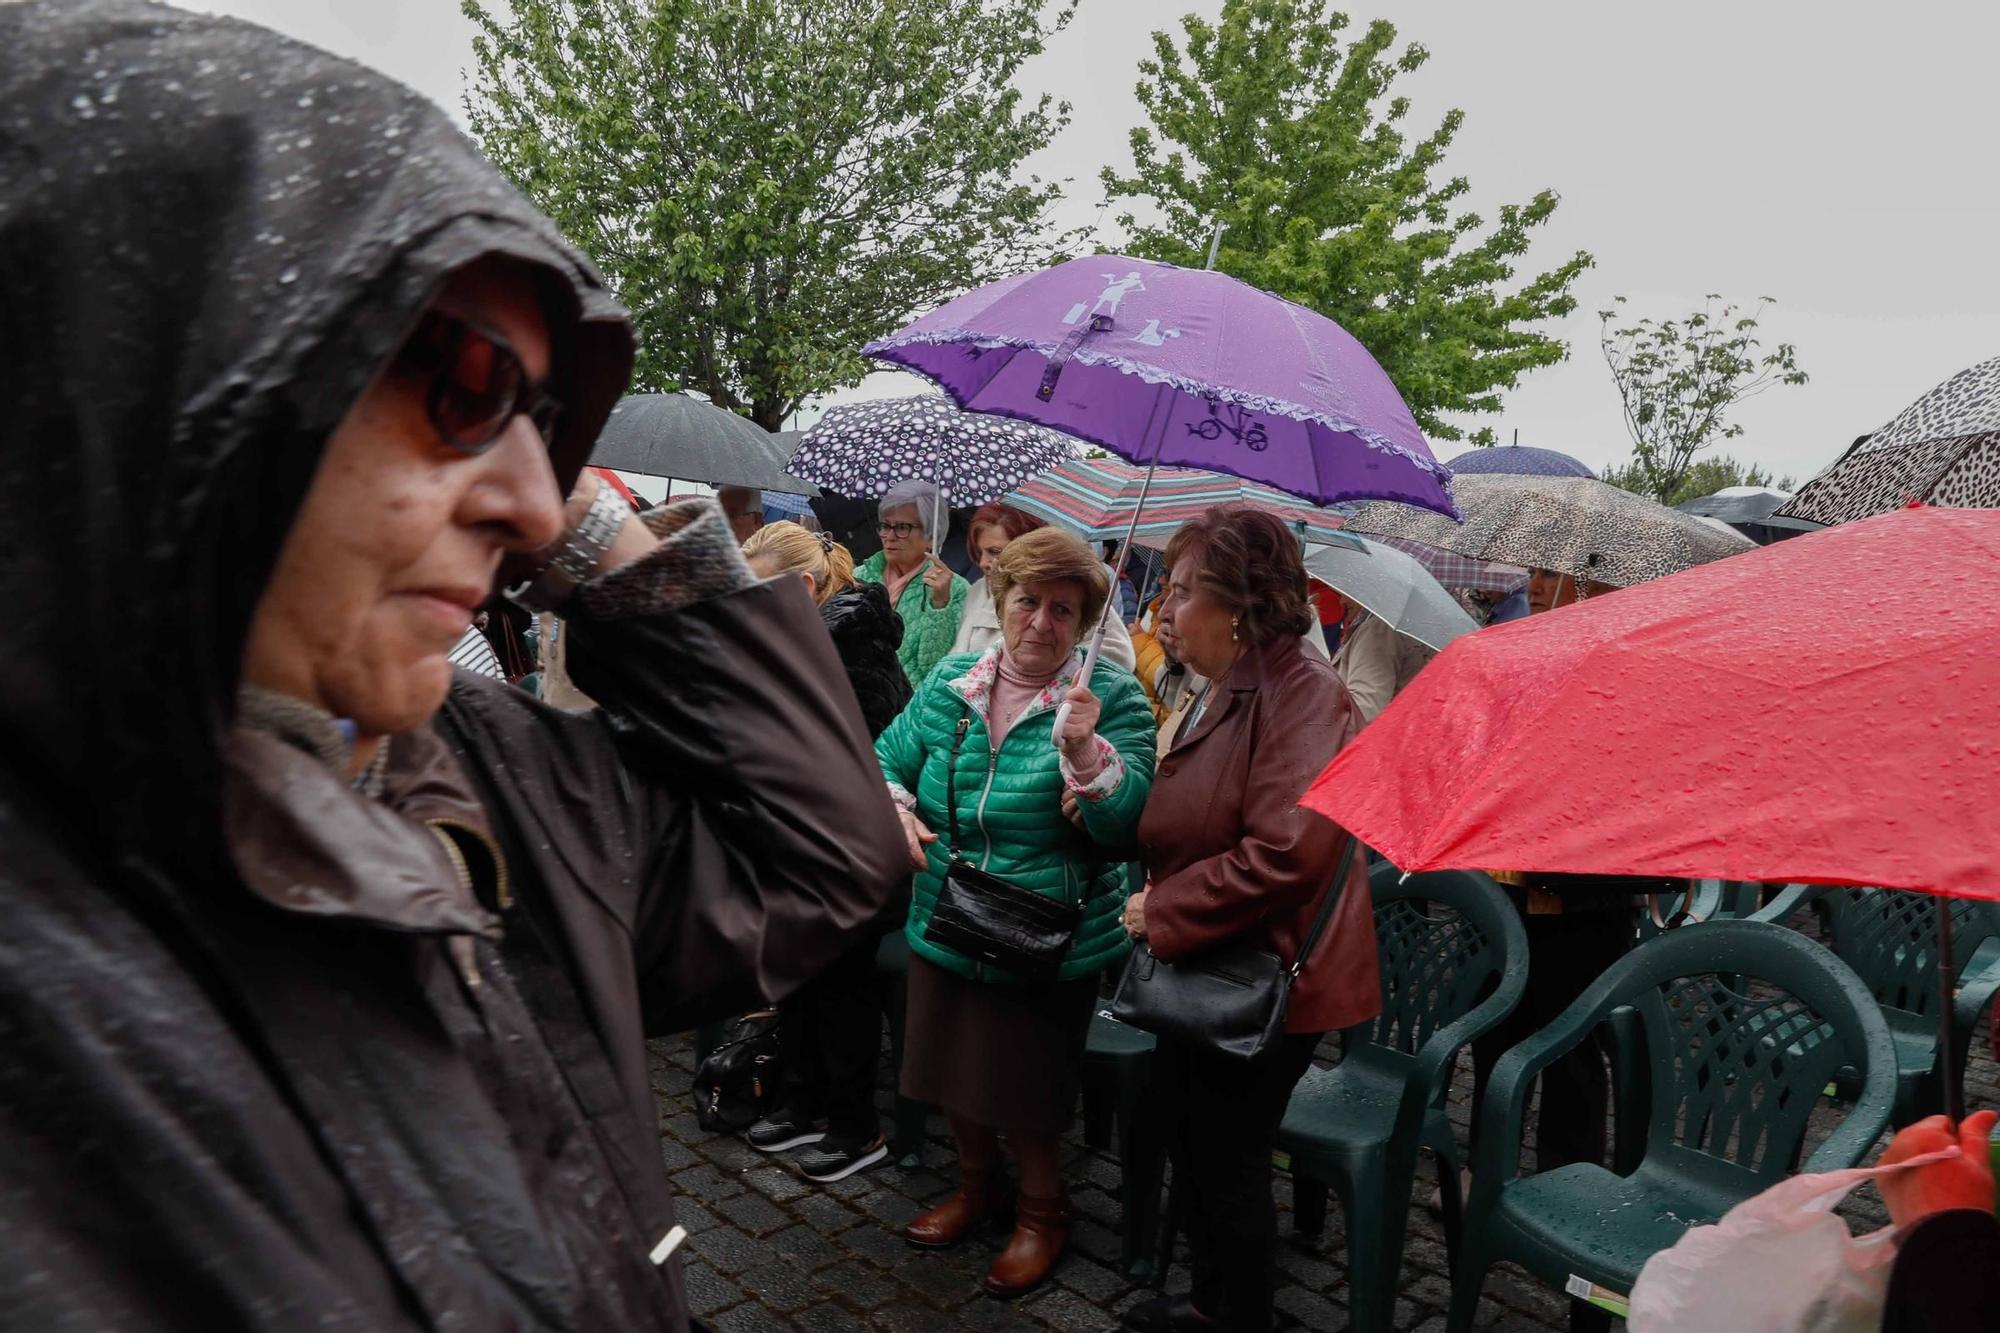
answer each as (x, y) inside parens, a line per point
(1096, 498)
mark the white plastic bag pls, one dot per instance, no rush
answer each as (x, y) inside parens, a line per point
(1777, 1263)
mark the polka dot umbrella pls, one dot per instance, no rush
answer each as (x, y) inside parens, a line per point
(862, 449)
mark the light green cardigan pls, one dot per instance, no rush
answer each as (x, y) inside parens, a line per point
(928, 630)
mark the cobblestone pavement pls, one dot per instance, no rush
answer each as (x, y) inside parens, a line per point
(769, 1249)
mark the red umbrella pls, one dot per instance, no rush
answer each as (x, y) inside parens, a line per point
(1825, 710)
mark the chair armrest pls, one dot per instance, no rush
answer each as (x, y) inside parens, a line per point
(1498, 1158)
(1978, 983)
(1434, 1061)
(1789, 900)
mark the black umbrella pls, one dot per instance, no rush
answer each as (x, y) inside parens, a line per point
(1752, 511)
(673, 435)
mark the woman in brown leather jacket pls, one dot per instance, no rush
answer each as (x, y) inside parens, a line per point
(1228, 852)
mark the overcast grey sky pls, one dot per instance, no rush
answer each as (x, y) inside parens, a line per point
(1835, 156)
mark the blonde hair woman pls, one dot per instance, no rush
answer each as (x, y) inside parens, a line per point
(832, 1027)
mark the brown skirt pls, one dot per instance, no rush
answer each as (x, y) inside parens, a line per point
(1006, 1056)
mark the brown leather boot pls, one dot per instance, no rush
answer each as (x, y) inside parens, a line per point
(981, 1194)
(1041, 1234)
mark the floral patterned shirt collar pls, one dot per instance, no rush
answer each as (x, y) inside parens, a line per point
(976, 685)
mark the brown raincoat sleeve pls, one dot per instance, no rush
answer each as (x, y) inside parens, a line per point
(716, 831)
(763, 839)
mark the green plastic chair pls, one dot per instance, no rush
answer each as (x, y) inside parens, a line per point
(1889, 938)
(1454, 964)
(1735, 1070)
(1117, 1081)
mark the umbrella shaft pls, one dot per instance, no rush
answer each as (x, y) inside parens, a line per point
(1954, 1090)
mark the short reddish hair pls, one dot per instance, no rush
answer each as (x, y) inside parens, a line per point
(1011, 521)
(1248, 560)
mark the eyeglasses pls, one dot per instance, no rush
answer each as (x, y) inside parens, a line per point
(897, 530)
(478, 383)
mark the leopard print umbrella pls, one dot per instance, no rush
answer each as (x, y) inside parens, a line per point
(1943, 449)
(1574, 525)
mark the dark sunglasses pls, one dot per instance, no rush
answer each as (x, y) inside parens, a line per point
(478, 384)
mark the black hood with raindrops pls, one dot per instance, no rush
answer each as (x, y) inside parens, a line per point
(211, 239)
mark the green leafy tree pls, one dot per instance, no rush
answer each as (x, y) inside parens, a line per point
(1267, 124)
(1679, 379)
(1705, 477)
(769, 184)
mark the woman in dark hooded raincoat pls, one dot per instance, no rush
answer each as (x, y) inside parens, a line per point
(318, 1011)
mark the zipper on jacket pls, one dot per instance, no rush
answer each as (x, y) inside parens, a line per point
(501, 889)
(979, 818)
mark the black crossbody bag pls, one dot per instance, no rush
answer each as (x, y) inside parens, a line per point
(983, 917)
(1230, 999)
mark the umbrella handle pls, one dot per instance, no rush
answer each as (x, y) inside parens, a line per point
(1089, 665)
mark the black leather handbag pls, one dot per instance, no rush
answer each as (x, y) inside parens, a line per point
(1230, 999)
(983, 917)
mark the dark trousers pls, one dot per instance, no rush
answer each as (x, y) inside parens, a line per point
(831, 1035)
(1566, 952)
(1222, 1124)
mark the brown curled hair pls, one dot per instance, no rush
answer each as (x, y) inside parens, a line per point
(1249, 562)
(1012, 522)
(1045, 556)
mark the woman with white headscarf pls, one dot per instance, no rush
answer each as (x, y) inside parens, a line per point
(928, 597)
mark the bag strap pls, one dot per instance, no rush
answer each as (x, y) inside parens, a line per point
(951, 783)
(1326, 906)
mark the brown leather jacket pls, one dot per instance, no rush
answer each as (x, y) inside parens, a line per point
(1228, 849)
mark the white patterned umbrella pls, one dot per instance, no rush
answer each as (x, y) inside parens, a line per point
(1943, 449)
(862, 449)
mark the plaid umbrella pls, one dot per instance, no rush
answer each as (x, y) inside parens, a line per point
(1096, 498)
(1943, 449)
(862, 449)
(1572, 525)
(1458, 571)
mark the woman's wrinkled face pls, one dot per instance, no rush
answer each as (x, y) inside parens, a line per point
(1194, 626)
(988, 541)
(396, 544)
(1042, 624)
(902, 534)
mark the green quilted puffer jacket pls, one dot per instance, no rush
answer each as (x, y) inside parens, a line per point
(1010, 801)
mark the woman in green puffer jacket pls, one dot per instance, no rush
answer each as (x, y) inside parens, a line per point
(1001, 1055)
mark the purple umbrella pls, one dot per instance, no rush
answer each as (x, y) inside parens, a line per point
(1182, 366)
(1520, 460)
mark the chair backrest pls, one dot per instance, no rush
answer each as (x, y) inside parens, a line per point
(1446, 939)
(1889, 937)
(1745, 1024)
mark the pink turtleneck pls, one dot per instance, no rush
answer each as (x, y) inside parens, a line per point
(1013, 690)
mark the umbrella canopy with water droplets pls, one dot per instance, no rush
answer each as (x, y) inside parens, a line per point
(1573, 525)
(1943, 449)
(1609, 737)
